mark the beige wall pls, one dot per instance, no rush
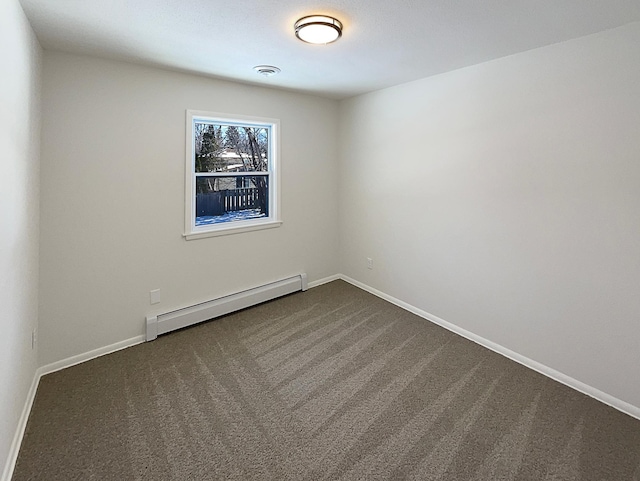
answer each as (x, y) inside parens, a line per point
(504, 198)
(113, 199)
(20, 57)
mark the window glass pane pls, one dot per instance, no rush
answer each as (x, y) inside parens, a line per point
(230, 148)
(231, 198)
(231, 174)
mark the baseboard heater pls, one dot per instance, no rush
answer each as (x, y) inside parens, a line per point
(188, 316)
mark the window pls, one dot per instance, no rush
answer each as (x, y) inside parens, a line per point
(231, 174)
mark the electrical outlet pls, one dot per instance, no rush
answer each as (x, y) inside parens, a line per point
(369, 263)
(34, 338)
(154, 296)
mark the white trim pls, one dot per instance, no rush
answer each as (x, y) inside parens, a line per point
(14, 450)
(232, 230)
(191, 231)
(568, 381)
(326, 280)
(87, 356)
(232, 174)
(558, 376)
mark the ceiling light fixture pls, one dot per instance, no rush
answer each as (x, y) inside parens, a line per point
(318, 29)
(266, 70)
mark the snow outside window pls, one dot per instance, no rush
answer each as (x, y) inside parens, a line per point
(231, 174)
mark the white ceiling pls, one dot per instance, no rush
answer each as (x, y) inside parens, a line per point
(385, 42)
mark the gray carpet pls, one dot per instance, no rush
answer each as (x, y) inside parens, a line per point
(332, 383)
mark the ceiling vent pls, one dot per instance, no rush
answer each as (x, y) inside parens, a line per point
(266, 70)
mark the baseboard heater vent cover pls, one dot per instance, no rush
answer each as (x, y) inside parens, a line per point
(188, 316)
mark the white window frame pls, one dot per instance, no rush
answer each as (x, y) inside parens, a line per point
(191, 231)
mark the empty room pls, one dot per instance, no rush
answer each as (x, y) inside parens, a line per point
(303, 241)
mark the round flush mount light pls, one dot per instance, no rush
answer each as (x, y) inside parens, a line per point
(266, 70)
(318, 29)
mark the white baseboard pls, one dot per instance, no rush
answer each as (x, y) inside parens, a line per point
(326, 280)
(87, 356)
(601, 396)
(10, 465)
(562, 378)
(19, 434)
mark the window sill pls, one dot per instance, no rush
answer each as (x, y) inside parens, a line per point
(231, 230)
